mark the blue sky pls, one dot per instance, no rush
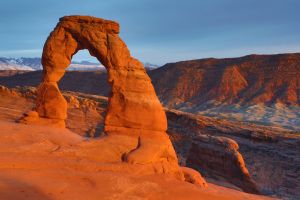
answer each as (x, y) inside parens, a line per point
(161, 31)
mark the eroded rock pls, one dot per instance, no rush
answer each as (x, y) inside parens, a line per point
(134, 111)
(221, 155)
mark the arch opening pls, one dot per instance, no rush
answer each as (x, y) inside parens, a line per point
(83, 61)
(86, 75)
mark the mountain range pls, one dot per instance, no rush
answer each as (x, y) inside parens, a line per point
(31, 64)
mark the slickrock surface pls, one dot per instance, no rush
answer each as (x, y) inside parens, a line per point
(85, 117)
(39, 162)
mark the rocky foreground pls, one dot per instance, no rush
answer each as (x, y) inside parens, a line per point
(257, 159)
(271, 154)
(36, 164)
(39, 162)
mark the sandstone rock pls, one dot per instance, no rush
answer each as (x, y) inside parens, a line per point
(50, 102)
(8, 92)
(133, 110)
(221, 155)
(250, 79)
(33, 114)
(271, 154)
(32, 118)
(193, 176)
(73, 101)
(43, 163)
(133, 102)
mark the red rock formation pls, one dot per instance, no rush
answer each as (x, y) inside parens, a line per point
(251, 79)
(199, 146)
(221, 155)
(265, 150)
(133, 102)
(135, 123)
(36, 165)
(270, 154)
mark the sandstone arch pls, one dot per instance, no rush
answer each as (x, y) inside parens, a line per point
(134, 109)
(135, 123)
(133, 102)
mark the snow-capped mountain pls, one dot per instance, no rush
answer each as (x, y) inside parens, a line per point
(32, 64)
(150, 66)
(18, 64)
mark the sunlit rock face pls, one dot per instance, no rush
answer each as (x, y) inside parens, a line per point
(135, 124)
(221, 154)
(133, 102)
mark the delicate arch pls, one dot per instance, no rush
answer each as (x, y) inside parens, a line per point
(133, 102)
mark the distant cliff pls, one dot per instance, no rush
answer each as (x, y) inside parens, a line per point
(251, 79)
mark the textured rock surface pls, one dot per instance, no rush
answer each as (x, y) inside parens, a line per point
(265, 150)
(134, 110)
(193, 176)
(219, 156)
(270, 153)
(133, 102)
(250, 79)
(46, 163)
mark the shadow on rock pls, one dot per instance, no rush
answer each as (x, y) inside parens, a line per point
(11, 189)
